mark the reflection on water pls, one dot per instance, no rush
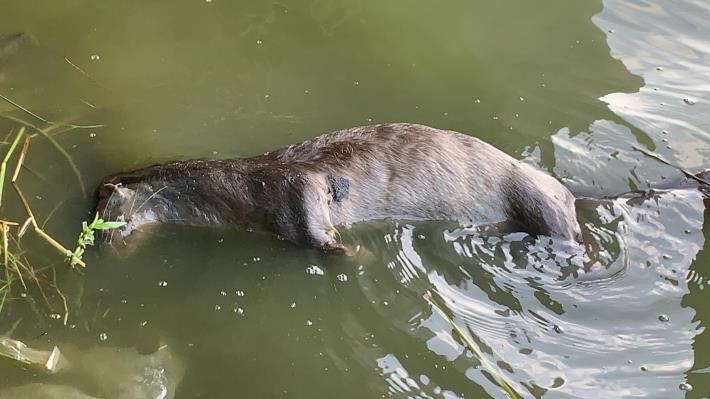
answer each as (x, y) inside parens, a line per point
(668, 46)
(254, 316)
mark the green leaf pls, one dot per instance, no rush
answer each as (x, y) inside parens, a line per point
(109, 225)
(96, 219)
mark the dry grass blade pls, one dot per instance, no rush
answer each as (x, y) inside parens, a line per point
(27, 111)
(45, 133)
(31, 216)
(5, 227)
(41, 232)
(23, 153)
(3, 166)
(487, 365)
(64, 298)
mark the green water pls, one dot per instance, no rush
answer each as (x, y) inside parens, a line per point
(568, 85)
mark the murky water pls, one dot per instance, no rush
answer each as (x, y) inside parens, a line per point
(571, 86)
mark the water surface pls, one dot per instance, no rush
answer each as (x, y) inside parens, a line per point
(570, 86)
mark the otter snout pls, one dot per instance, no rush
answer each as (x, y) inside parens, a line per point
(115, 203)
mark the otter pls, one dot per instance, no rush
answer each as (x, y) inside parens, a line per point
(305, 191)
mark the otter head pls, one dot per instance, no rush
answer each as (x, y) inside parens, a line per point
(117, 202)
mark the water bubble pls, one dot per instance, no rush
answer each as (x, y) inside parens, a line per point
(356, 83)
(664, 318)
(685, 387)
(55, 316)
(95, 57)
(522, 98)
(314, 270)
(259, 42)
(162, 283)
(23, 295)
(103, 336)
(342, 277)
(267, 95)
(208, 1)
(217, 308)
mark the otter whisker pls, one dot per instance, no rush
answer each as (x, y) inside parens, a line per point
(148, 199)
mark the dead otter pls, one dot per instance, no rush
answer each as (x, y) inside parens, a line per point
(304, 191)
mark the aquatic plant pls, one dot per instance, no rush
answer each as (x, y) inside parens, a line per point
(86, 237)
(14, 261)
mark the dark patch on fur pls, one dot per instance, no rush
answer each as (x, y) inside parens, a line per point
(338, 187)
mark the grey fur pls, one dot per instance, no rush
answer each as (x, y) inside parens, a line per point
(304, 191)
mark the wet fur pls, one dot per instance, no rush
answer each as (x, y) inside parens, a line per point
(304, 191)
